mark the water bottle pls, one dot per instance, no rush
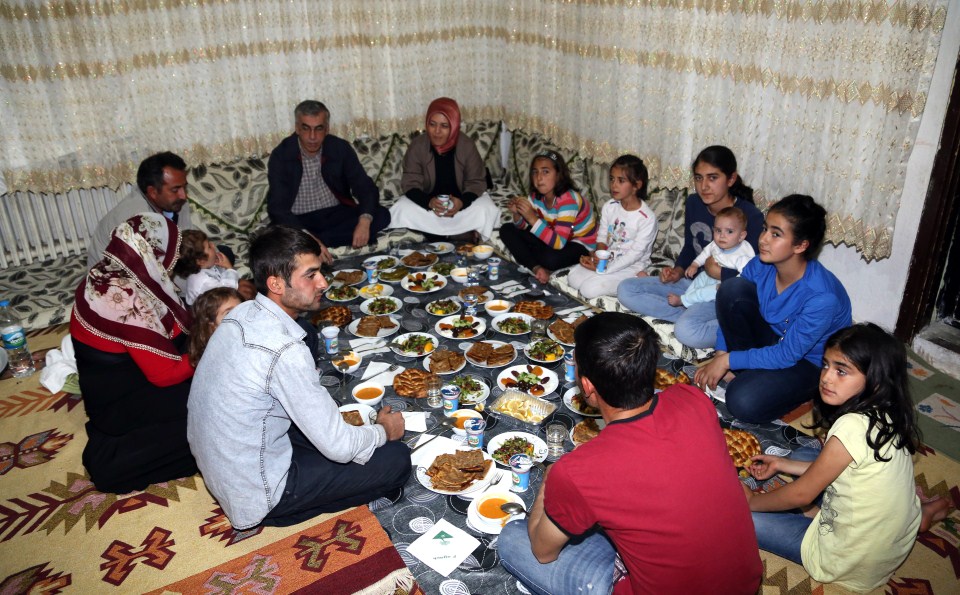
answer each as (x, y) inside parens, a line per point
(15, 342)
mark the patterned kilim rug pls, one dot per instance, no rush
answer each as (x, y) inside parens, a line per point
(58, 534)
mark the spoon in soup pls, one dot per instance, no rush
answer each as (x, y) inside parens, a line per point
(512, 508)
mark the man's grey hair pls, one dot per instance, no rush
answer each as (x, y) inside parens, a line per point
(310, 107)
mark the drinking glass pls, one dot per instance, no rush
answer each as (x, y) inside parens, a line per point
(538, 330)
(556, 436)
(433, 384)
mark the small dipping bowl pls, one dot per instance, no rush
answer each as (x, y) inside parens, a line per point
(351, 358)
(482, 252)
(488, 507)
(460, 416)
(497, 307)
(459, 275)
(368, 393)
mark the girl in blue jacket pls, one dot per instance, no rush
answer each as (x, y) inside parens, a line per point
(775, 318)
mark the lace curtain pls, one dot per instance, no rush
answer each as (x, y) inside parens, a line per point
(822, 98)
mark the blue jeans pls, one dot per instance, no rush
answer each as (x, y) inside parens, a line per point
(695, 326)
(583, 567)
(759, 396)
(781, 533)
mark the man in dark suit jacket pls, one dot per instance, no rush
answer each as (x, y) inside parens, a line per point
(317, 184)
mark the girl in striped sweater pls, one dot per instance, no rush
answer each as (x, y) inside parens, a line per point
(554, 226)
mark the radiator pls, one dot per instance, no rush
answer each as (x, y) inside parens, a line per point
(38, 227)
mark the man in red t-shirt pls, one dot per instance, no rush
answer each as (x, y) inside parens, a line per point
(657, 483)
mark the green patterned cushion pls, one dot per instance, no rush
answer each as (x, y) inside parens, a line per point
(389, 181)
(669, 205)
(486, 134)
(596, 182)
(374, 155)
(229, 195)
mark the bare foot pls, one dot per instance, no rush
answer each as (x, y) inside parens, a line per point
(932, 512)
(542, 274)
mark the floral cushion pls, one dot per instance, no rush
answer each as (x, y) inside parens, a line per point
(392, 171)
(486, 134)
(375, 155)
(42, 293)
(233, 195)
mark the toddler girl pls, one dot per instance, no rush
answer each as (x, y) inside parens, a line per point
(868, 519)
(208, 312)
(628, 227)
(554, 226)
(202, 266)
(728, 249)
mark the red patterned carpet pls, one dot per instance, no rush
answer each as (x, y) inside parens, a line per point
(59, 535)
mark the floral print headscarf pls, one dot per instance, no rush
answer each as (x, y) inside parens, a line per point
(129, 296)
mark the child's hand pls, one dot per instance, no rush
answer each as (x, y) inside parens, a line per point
(674, 300)
(764, 467)
(691, 271)
(525, 209)
(223, 261)
(589, 262)
(670, 275)
(643, 274)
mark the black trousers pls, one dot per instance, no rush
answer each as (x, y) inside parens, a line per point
(334, 225)
(528, 250)
(316, 484)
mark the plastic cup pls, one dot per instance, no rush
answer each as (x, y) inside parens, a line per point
(520, 465)
(475, 428)
(604, 258)
(330, 336)
(372, 272)
(493, 268)
(451, 398)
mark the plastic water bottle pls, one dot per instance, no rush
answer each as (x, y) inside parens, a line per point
(15, 342)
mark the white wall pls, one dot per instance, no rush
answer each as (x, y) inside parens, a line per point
(876, 289)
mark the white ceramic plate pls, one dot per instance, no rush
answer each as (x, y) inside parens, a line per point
(443, 327)
(426, 366)
(432, 262)
(528, 346)
(472, 398)
(476, 486)
(356, 294)
(408, 282)
(455, 301)
(539, 446)
(365, 412)
(499, 320)
(449, 266)
(384, 332)
(440, 247)
(360, 282)
(381, 258)
(394, 345)
(484, 297)
(568, 401)
(555, 338)
(376, 290)
(548, 379)
(365, 306)
(495, 344)
(600, 424)
(392, 281)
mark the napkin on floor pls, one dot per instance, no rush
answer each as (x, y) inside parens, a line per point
(443, 547)
(61, 364)
(415, 421)
(375, 368)
(361, 343)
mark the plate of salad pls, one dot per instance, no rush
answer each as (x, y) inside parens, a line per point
(414, 344)
(503, 446)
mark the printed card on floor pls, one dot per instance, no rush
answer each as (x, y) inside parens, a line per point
(443, 547)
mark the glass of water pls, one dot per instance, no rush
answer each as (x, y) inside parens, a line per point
(434, 398)
(556, 436)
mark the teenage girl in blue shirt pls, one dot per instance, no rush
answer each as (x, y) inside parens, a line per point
(775, 318)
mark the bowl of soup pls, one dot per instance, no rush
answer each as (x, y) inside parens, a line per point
(459, 274)
(368, 393)
(497, 307)
(488, 507)
(352, 360)
(460, 417)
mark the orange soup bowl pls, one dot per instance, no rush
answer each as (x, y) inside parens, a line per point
(460, 417)
(368, 393)
(488, 506)
(497, 307)
(352, 360)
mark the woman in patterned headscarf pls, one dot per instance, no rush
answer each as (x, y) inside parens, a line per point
(129, 333)
(445, 162)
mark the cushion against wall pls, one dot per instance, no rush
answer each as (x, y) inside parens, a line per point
(486, 134)
(392, 169)
(374, 154)
(231, 195)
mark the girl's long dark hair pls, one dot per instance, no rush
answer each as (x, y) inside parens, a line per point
(723, 159)
(205, 319)
(885, 399)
